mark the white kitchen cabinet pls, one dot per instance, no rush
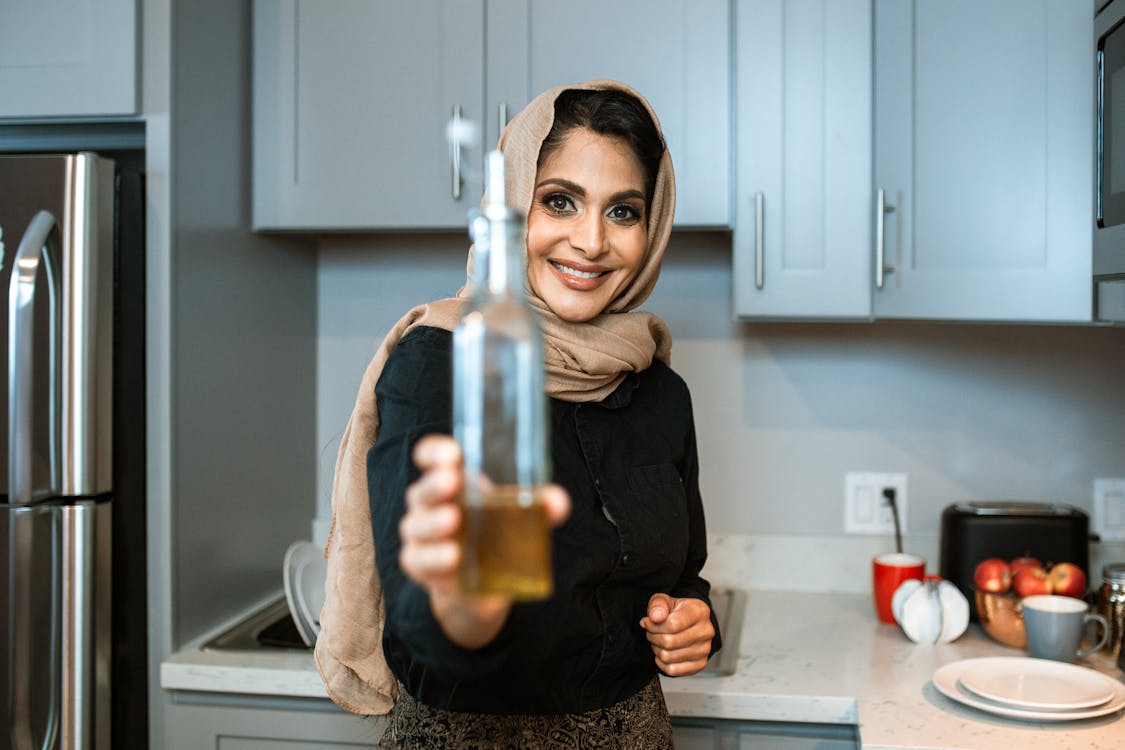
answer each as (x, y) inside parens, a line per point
(983, 145)
(77, 58)
(248, 722)
(980, 141)
(802, 240)
(730, 734)
(351, 102)
(351, 99)
(675, 52)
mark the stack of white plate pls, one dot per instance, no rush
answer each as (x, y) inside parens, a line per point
(1025, 688)
(304, 573)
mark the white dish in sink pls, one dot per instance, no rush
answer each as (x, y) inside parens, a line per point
(304, 573)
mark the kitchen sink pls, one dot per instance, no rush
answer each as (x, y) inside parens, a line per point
(270, 627)
(730, 608)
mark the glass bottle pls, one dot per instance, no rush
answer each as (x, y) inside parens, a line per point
(1111, 606)
(499, 411)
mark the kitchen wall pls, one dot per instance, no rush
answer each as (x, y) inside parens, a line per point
(231, 330)
(783, 410)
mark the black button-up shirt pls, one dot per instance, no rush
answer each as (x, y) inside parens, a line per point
(636, 528)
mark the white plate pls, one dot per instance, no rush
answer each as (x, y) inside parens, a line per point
(303, 574)
(947, 680)
(1037, 683)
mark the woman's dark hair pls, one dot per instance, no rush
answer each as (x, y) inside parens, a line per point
(613, 113)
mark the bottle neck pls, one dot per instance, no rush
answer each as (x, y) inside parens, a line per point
(499, 238)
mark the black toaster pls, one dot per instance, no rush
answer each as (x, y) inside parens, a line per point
(973, 531)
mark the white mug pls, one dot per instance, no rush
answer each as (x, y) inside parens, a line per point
(1055, 624)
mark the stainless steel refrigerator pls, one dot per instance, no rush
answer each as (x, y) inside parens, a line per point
(72, 450)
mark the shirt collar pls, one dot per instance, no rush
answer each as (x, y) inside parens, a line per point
(622, 395)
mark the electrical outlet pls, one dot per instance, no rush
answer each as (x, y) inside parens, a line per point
(866, 510)
(1109, 509)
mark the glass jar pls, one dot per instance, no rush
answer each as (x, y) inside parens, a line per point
(1111, 605)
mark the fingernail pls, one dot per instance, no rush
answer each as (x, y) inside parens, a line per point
(659, 612)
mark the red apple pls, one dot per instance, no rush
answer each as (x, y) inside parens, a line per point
(1031, 581)
(993, 575)
(1015, 566)
(1067, 579)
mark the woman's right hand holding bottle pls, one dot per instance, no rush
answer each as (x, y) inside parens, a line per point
(430, 552)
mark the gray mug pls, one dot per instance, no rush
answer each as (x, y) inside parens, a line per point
(1055, 624)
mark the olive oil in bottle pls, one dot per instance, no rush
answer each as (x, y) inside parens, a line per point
(499, 411)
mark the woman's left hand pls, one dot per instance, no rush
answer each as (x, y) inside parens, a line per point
(680, 632)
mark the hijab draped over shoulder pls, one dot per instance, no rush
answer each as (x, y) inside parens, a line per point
(583, 362)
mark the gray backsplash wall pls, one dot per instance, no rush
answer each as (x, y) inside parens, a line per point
(784, 410)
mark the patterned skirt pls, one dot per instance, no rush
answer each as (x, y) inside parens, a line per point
(639, 722)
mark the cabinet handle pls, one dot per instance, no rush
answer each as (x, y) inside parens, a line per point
(1099, 150)
(502, 117)
(456, 129)
(882, 208)
(759, 240)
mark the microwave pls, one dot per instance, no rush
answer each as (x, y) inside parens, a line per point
(1109, 167)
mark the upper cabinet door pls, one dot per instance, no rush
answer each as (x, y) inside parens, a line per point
(352, 100)
(802, 241)
(68, 58)
(675, 52)
(983, 147)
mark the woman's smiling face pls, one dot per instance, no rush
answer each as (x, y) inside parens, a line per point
(587, 229)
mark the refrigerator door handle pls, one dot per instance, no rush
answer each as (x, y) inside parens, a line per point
(22, 586)
(34, 252)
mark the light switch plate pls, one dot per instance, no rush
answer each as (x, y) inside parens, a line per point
(866, 511)
(1109, 509)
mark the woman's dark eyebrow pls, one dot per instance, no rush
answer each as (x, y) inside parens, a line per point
(567, 185)
(578, 190)
(625, 195)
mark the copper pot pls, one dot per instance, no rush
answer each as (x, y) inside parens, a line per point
(1001, 617)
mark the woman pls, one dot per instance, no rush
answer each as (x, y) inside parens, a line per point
(589, 165)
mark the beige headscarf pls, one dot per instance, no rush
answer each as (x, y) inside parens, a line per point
(584, 362)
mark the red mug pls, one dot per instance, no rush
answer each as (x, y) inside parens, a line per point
(888, 573)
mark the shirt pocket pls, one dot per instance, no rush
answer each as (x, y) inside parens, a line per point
(659, 532)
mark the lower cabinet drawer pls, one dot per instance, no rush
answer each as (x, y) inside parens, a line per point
(194, 721)
(725, 734)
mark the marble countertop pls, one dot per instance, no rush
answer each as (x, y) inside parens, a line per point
(803, 657)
